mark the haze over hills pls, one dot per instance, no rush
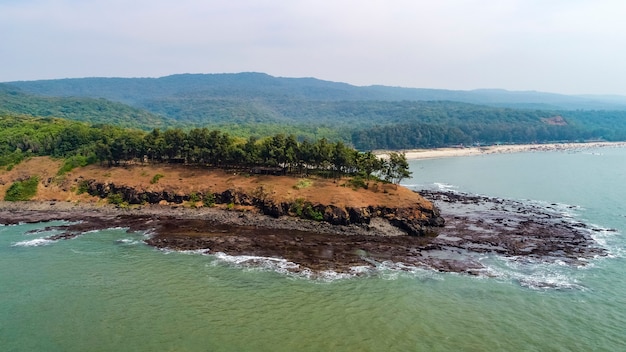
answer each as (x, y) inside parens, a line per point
(140, 92)
(373, 117)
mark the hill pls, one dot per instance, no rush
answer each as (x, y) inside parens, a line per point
(93, 110)
(142, 92)
(374, 117)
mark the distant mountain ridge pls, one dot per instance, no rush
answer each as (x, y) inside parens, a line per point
(372, 117)
(139, 92)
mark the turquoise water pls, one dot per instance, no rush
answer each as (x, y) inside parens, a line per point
(106, 291)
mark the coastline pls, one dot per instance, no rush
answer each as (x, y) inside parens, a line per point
(474, 226)
(436, 153)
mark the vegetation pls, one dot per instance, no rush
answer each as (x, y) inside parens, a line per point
(365, 118)
(303, 183)
(303, 209)
(81, 144)
(83, 187)
(176, 91)
(116, 199)
(155, 179)
(396, 168)
(22, 190)
(208, 200)
(12, 101)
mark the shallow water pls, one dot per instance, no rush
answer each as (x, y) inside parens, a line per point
(107, 291)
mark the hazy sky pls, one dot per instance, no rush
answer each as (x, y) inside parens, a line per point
(563, 46)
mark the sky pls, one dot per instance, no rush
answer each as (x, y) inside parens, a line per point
(560, 46)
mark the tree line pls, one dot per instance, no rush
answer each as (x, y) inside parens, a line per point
(83, 144)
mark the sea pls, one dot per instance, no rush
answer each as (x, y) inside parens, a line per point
(108, 291)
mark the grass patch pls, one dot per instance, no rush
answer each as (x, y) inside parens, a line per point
(156, 178)
(303, 183)
(22, 190)
(76, 161)
(358, 182)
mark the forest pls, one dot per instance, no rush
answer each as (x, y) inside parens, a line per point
(253, 105)
(82, 144)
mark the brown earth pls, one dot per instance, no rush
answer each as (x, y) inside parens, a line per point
(186, 180)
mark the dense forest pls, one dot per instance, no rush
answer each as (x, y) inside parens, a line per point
(78, 108)
(83, 144)
(365, 118)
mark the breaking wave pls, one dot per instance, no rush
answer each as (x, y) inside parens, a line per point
(33, 243)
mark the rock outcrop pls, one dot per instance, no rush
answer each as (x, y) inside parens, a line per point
(415, 221)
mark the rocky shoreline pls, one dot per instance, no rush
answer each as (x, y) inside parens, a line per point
(414, 220)
(474, 226)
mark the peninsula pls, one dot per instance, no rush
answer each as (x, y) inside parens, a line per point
(318, 224)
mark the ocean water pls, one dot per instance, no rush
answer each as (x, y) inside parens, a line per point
(107, 291)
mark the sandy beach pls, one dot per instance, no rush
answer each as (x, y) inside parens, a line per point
(417, 154)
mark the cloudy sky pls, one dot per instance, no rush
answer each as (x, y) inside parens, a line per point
(562, 46)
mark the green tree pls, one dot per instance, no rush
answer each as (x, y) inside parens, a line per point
(396, 168)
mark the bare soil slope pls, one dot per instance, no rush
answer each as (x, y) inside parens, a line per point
(186, 180)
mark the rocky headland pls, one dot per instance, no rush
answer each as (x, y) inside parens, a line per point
(318, 225)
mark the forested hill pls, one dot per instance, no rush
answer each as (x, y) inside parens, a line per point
(146, 92)
(364, 117)
(13, 101)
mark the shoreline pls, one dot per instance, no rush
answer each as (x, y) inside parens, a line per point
(437, 153)
(474, 226)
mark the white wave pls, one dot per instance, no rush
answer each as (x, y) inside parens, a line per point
(279, 265)
(609, 239)
(562, 209)
(191, 251)
(128, 241)
(411, 185)
(533, 273)
(445, 186)
(195, 251)
(291, 269)
(33, 243)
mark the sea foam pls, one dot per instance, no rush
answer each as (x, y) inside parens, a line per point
(33, 243)
(533, 274)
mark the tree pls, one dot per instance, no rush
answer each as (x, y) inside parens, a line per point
(368, 163)
(396, 168)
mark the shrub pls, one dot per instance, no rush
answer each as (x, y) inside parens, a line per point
(303, 183)
(208, 200)
(22, 190)
(13, 158)
(261, 193)
(313, 214)
(74, 162)
(156, 178)
(83, 187)
(115, 198)
(358, 182)
(305, 210)
(297, 207)
(194, 197)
